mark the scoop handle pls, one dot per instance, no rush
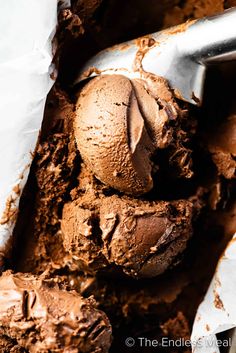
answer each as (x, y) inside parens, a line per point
(180, 54)
(211, 39)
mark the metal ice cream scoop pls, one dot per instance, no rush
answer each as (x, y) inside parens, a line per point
(179, 54)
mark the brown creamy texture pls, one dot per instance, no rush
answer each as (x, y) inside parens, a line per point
(163, 305)
(36, 315)
(142, 238)
(85, 8)
(222, 146)
(118, 126)
(180, 12)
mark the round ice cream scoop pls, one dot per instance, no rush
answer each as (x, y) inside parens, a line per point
(118, 126)
(142, 238)
(111, 135)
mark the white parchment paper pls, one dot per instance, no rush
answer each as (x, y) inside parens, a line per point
(26, 31)
(217, 312)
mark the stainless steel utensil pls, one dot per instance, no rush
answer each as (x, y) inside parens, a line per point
(180, 54)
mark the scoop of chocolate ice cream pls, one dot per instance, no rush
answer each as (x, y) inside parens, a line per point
(119, 124)
(40, 317)
(111, 136)
(143, 238)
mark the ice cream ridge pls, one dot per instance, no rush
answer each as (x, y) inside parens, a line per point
(119, 126)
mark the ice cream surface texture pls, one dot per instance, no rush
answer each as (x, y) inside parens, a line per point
(142, 238)
(38, 316)
(118, 126)
(130, 199)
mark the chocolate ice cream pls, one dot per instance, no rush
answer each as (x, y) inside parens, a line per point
(142, 238)
(111, 135)
(36, 315)
(127, 182)
(119, 125)
(222, 146)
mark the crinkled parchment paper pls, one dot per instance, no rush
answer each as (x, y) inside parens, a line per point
(217, 312)
(26, 31)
